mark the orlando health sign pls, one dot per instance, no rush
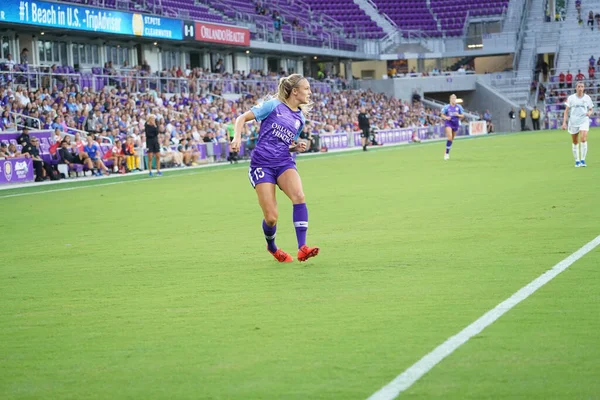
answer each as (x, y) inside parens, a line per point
(66, 16)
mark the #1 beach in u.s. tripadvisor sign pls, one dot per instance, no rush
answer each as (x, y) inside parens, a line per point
(90, 19)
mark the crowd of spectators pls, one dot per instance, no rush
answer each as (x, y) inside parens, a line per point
(561, 86)
(199, 113)
(81, 117)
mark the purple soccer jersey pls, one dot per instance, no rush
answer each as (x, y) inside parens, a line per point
(279, 128)
(453, 112)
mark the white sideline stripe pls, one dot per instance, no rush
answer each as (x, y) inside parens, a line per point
(216, 167)
(212, 167)
(425, 364)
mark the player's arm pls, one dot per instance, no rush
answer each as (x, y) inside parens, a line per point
(590, 107)
(240, 122)
(461, 112)
(298, 146)
(565, 117)
(443, 114)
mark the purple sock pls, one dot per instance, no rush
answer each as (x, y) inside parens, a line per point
(301, 223)
(448, 146)
(270, 232)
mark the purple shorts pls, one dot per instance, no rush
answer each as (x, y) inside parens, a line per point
(452, 125)
(267, 174)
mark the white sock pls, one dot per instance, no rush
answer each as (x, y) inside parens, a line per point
(583, 150)
(576, 151)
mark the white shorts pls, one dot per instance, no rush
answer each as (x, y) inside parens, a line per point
(574, 129)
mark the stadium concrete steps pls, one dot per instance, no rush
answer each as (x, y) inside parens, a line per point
(214, 11)
(519, 89)
(380, 19)
(571, 57)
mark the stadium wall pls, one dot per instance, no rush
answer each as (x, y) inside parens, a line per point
(404, 88)
(493, 64)
(485, 98)
(242, 62)
(152, 56)
(386, 86)
(369, 69)
(477, 96)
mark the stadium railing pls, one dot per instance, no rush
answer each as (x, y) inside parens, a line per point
(139, 83)
(441, 73)
(509, 78)
(521, 34)
(37, 79)
(19, 120)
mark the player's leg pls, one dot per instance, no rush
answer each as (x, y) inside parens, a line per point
(584, 146)
(575, 147)
(103, 166)
(450, 138)
(88, 163)
(157, 158)
(119, 162)
(150, 158)
(156, 150)
(268, 204)
(115, 160)
(291, 184)
(264, 182)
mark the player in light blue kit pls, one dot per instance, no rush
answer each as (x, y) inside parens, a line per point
(272, 163)
(452, 113)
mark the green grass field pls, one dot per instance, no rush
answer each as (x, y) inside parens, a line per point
(162, 288)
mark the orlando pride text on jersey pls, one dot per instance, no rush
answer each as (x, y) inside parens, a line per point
(279, 128)
(453, 111)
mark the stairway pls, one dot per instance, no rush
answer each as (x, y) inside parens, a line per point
(578, 43)
(380, 19)
(517, 89)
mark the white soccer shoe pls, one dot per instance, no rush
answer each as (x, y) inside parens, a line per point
(446, 156)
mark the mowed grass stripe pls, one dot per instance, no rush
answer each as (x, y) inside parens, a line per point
(166, 289)
(406, 379)
(66, 185)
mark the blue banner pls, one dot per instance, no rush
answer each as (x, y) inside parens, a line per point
(67, 16)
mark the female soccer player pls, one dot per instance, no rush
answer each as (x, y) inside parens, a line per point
(578, 111)
(452, 113)
(272, 164)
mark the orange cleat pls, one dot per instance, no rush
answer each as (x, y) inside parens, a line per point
(281, 256)
(305, 252)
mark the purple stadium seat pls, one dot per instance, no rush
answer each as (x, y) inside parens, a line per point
(416, 15)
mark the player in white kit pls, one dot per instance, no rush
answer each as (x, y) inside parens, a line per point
(578, 111)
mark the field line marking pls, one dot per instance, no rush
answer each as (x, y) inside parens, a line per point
(197, 170)
(406, 379)
(217, 167)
